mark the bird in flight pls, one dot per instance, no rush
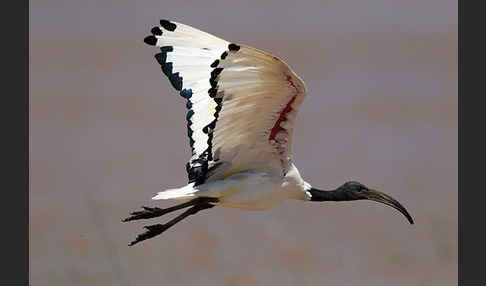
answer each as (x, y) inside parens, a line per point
(242, 105)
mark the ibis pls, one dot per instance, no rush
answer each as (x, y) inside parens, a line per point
(242, 104)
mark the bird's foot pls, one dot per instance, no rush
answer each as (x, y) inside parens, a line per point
(152, 230)
(146, 213)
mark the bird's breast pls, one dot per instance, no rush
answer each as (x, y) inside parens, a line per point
(254, 191)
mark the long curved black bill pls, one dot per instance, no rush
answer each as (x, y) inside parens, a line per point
(383, 198)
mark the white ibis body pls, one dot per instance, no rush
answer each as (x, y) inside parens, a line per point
(242, 105)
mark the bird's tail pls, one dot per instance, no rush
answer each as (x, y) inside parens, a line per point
(183, 193)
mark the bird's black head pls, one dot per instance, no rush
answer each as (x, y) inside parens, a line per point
(352, 190)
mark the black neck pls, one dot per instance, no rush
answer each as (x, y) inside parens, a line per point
(338, 194)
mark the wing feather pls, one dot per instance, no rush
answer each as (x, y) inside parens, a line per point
(261, 97)
(242, 102)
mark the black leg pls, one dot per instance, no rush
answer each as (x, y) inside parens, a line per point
(148, 212)
(156, 229)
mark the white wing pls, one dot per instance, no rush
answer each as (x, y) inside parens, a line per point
(242, 101)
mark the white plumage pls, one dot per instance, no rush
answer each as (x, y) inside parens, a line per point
(242, 105)
(250, 139)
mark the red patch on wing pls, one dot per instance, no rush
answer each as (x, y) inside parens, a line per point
(276, 127)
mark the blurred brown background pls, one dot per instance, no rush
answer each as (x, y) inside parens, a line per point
(107, 131)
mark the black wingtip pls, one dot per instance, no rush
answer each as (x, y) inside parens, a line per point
(215, 64)
(233, 47)
(168, 25)
(150, 40)
(156, 31)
